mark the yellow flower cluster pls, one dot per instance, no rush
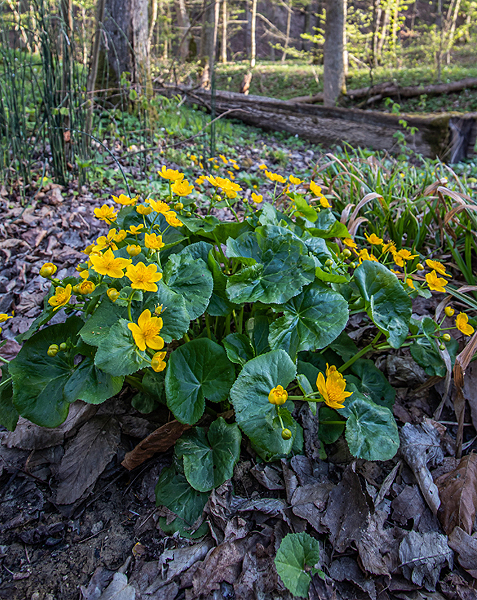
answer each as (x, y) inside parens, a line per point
(333, 388)
(146, 331)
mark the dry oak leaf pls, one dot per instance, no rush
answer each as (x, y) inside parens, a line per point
(458, 494)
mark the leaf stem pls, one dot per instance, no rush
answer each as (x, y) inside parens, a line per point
(359, 354)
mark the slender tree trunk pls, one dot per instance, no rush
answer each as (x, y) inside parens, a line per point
(152, 26)
(377, 12)
(383, 34)
(333, 73)
(253, 28)
(394, 30)
(413, 15)
(453, 23)
(93, 70)
(209, 41)
(224, 32)
(287, 35)
(184, 28)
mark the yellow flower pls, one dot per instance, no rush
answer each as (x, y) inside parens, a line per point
(236, 167)
(108, 264)
(374, 239)
(278, 396)
(333, 389)
(84, 274)
(105, 241)
(262, 167)
(143, 278)
(153, 241)
(224, 160)
(120, 236)
(4, 317)
(257, 197)
(48, 269)
(159, 207)
(389, 247)
(437, 266)
(193, 157)
(231, 175)
(86, 287)
(182, 188)
(461, 322)
(435, 283)
(144, 210)
(125, 200)
(133, 249)
(275, 177)
(105, 213)
(449, 311)
(350, 243)
(199, 181)
(364, 255)
(113, 294)
(315, 189)
(157, 362)
(172, 219)
(146, 332)
(135, 229)
(61, 298)
(171, 174)
(87, 250)
(410, 283)
(401, 256)
(294, 180)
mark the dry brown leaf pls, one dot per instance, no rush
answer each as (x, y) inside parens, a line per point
(458, 493)
(461, 363)
(158, 441)
(466, 547)
(87, 457)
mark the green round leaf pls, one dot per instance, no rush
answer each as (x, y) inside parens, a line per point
(425, 353)
(255, 415)
(174, 492)
(282, 266)
(371, 431)
(118, 354)
(297, 551)
(197, 370)
(310, 321)
(239, 348)
(191, 279)
(209, 460)
(175, 317)
(387, 304)
(373, 383)
(8, 413)
(100, 322)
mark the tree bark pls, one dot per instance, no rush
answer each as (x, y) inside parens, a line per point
(126, 29)
(152, 26)
(93, 70)
(333, 72)
(184, 29)
(209, 41)
(253, 28)
(287, 35)
(224, 33)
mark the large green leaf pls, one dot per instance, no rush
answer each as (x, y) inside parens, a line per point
(279, 266)
(197, 370)
(387, 304)
(239, 348)
(219, 305)
(295, 562)
(425, 353)
(255, 415)
(98, 325)
(373, 383)
(45, 386)
(174, 492)
(118, 354)
(371, 431)
(329, 430)
(258, 328)
(8, 413)
(174, 315)
(192, 280)
(326, 226)
(310, 321)
(209, 459)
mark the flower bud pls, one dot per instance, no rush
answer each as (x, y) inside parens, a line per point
(352, 265)
(63, 346)
(446, 337)
(53, 350)
(442, 346)
(113, 294)
(278, 396)
(329, 263)
(133, 250)
(178, 206)
(144, 210)
(48, 269)
(420, 267)
(346, 252)
(449, 311)
(76, 289)
(286, 434)
(86, 287)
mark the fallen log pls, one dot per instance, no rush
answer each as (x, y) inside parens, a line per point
(379, 91)
(448, 136)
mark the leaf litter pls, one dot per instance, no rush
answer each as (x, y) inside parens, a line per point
(83, 524)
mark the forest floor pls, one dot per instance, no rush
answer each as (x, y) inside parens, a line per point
(108, 543)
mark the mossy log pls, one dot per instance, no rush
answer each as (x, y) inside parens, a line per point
(448, 136)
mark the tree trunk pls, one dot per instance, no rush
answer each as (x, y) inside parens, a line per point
(333, 72)
(126, 28)
(93, 70)
(224, 33)
(394, 30)
(287, 35)
(377, 12)
(383, 34)
(253, 27)
(184, 28)
(453, 23)
(209, 41)
(152, 26)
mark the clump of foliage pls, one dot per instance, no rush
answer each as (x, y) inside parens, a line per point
(233, 325)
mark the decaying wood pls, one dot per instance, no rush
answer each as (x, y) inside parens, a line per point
(448, 136)
(388, 89)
